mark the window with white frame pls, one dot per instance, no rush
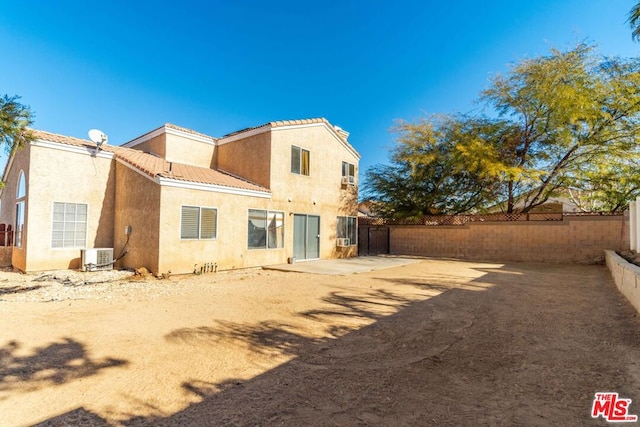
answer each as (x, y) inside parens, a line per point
(21, 196)
(265, 229)
(19, 223)
(300, 160)
(69, 227)
(198, 223)
(348, 173)
(347, 229)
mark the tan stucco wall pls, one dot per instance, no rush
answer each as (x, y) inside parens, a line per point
(8, 202)
(61, 176)
(119, 196)
(320, 193)
(179, 149)
(137, 204)
(229, 250)
(155, 145)
(188, 151)
(248, 158)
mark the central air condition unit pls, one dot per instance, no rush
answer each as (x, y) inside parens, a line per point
(96, 259)
(342, 242)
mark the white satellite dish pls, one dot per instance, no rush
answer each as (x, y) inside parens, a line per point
(98, 137)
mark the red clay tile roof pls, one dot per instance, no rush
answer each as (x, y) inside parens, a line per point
(280, 123)
(340, 133)
(172, 126)
(192, 132)
(62, 139)
(156, 167)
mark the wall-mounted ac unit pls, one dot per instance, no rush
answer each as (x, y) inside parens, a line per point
(348, 180)
(342, 242)
(96, 259)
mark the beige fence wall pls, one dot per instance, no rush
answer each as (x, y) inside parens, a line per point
(574, 239)
(626, 276)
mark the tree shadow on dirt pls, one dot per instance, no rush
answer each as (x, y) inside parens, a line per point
(54, 364)
(276, 337)
(76, 417)
(18, 289)
(264, 337)
(502, 356)
(372, 305)
(349, 368)
(421, 284)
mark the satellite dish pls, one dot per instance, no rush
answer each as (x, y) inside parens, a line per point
(98, 137)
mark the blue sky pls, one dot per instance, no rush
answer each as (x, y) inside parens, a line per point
(220, 66)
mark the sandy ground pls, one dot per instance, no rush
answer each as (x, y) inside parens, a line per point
(438, 342)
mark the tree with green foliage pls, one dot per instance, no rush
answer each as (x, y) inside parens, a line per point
(554, 117)
(429, 174)
(572, 109)
(15, 118)
(607, 187)
(634, 21)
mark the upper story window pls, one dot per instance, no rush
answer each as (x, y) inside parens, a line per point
(348, 173)
(21, 190)
(21, 193)
(300, 160)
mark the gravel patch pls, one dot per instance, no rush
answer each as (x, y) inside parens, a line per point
(114, 285)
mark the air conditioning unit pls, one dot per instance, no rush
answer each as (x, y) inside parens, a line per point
(348, 180)
(96, 259)
(342, 242)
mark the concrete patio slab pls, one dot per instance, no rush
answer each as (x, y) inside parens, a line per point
(344, 266)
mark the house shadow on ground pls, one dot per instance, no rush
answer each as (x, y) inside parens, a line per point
(521, 346)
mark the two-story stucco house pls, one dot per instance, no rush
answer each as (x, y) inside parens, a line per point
(174, 199)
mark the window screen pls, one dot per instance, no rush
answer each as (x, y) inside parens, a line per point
(198, 223)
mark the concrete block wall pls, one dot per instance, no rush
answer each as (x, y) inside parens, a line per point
(5, 256)
(575, 239)
(626, 276)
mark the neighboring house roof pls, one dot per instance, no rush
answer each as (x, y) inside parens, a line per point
(368, 208)
(562, 198)
(154, 166)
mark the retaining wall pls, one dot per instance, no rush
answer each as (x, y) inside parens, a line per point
(626, 276)
(574, 239)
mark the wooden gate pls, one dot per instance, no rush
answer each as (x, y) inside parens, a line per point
(373, 240)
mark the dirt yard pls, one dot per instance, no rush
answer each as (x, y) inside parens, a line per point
(432, 343)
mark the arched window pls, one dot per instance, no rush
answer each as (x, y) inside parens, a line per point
(21, 192)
